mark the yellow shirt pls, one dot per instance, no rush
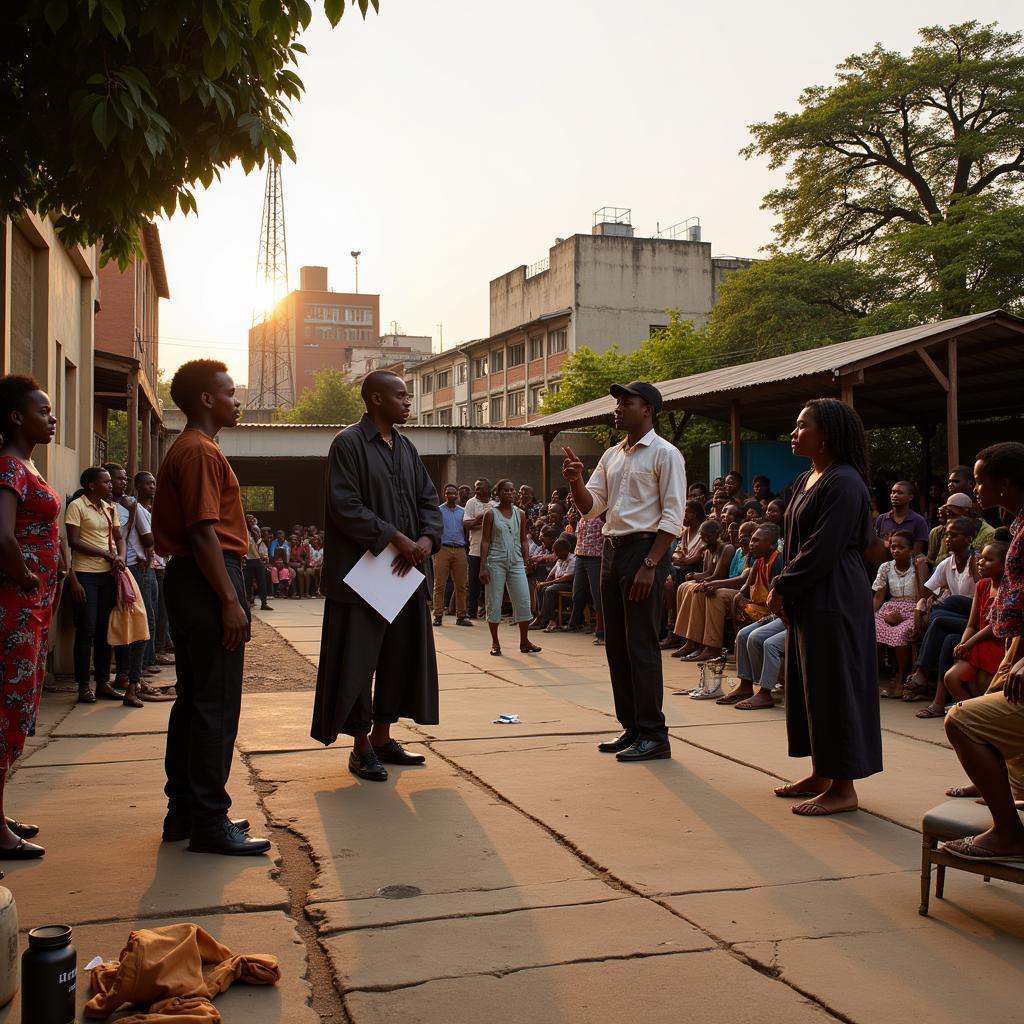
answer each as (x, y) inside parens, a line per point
(96, 525)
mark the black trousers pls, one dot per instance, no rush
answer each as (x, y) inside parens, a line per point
(473, 596)
(256, 573)
(204, 719)
(631, 638)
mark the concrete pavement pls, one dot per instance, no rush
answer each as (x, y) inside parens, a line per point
(520, 875)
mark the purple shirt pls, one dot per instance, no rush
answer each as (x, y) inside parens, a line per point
(915, 523)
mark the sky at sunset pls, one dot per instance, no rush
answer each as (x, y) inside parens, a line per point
(451, 142)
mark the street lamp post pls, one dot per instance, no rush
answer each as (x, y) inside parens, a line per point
(355, 255)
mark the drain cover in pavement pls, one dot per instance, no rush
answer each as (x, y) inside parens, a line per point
(399, 892)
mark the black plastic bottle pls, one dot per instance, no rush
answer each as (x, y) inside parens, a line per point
(48, 976)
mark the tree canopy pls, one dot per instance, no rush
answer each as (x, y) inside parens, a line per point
(915, 163)
(112, 110)
(331, 399)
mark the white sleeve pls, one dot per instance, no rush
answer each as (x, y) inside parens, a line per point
(882, 578)
(598, 487)
(672, 487)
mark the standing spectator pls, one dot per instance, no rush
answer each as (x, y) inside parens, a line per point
(465, 493)
(531, 507)
(198, 521)
(641, 482)
(256, 576)
(823, 593)
(162, 637)
(503, 554)
(451, 558)
(316, 561)
(559, 580)
(903, 517)
(29, 572)
(374, 672)
(473, 522)
(586, 584)
(987, 732)
(97, 551)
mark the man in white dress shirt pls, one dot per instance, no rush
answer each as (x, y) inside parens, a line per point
(641, 485)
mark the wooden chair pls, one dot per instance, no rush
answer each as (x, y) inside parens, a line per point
(957, 819)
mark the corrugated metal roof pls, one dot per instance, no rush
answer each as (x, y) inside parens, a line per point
(829, 359)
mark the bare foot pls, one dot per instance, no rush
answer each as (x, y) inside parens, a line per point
(759, 700)
(736, 694)
(959, 791)
(827, 803)
(809, 786)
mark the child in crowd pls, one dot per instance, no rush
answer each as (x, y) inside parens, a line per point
(281, 577)
(297, 563)
(978, 654)
(898, 587)
(753, 511)
(559, 579)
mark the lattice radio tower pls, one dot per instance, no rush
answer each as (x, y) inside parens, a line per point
(272, 385)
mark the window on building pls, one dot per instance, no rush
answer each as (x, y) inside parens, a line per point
(410, 385)
(497, 409)
(558, 341)
(463, 416)
(535, 398)
(257, 498)
(497, 360)
(480, 414)
(444, 379)
(307, 331)
(516, 403)
(537, 347)
(554, 386)
(70, 403)
(428, 419)
(428, 383)
(364, 335)
(517, 354)
(444, 417)
(460, 373)
(480, 367)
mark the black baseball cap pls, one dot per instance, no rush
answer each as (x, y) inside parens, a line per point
(648, 392)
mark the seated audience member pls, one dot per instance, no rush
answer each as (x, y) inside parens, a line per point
(687, 557)
(716, 557)
(530, 506)
(949, 592)
(733, 485)
(540, 564)
(698, 492)
(753, 511)
(762, 488)
(760, 649)
(316, 563)
(281, 576)
(297, 564)
(934, 500)
(279, 543)
(556, 515)
(718, 484)
(776, 513)
(958, 505)
(898, 586)
(559, 581)
(987, 732)
(711, 604)
(978, 654)
(718, 502)
(903, 517)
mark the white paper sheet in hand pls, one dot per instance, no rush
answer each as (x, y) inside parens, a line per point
(374, 581)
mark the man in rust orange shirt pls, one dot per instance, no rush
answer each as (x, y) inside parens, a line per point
(198, 521)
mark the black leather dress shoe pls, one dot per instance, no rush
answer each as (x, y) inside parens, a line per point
(626, 740)
(646, 750)
(177, 829)
(394, 753)
(23, 851)
(226, 838)
(367, 766)
(21, 830)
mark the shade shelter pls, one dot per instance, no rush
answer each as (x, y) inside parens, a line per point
(970, 367)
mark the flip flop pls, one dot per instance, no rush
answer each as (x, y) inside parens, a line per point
(929, 712)
(960, 791)
(733, 700)
(812, 810)
(969, 849)
(745, 705)
(786, 792)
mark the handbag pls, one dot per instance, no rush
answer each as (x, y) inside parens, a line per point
(128, 621)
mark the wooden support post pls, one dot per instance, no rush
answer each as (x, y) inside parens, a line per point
(734, 433)
(678, 428)
(133, 423)
(952, 412)
(545, 475)
(147, 440)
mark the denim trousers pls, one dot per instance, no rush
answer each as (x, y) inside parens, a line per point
(586, 586)
(759, 651)
(150, 590)
(91, 618)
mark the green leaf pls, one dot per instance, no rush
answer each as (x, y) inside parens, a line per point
(103, 126)
(334, 9)
(211, 21)
(112, 15)
(55, 13)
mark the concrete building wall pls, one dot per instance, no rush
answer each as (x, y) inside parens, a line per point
(516, 298)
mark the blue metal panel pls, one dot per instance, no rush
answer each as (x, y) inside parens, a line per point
(773, 458)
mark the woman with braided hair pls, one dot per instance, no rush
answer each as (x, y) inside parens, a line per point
(824, 595)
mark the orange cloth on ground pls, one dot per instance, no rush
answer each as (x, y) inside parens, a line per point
(177, 969)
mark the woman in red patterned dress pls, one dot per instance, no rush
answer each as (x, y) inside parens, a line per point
(29, 555)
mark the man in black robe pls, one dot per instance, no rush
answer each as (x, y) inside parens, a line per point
(378, 493)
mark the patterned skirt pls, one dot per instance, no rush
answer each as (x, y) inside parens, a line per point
(899, 635)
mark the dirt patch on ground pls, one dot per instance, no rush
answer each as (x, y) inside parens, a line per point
(272, 665)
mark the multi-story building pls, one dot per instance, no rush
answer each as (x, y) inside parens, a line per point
(406, 349)
(322, 327)
(598, 290)
(127, 334)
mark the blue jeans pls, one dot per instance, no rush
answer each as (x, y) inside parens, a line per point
(586, 585)
(150, 589)
(759, 651)
(512, 576)
(91, 618)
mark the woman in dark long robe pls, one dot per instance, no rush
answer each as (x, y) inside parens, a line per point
(825, 594)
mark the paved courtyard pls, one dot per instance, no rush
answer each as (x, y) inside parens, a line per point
(520, 875)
